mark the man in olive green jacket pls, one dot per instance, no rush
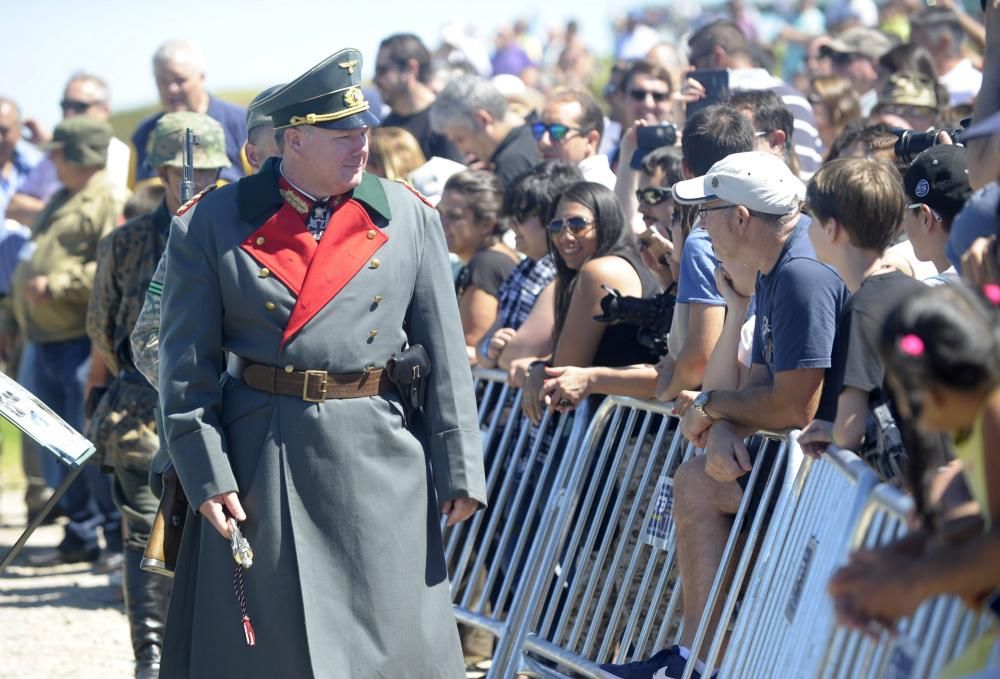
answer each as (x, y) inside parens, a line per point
(49, 296)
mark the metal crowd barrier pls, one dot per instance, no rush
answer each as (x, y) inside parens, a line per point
(525, 465)
(574, 562)
(936, 633)
(785, 607)
(607, 585)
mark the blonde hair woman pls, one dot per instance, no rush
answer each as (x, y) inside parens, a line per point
(393, 153)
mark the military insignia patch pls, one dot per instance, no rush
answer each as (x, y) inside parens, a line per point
(198, 196)
(715, 182)
(349, 65)
(297, 202)
(354, 97)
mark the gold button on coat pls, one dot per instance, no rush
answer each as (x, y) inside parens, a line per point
(270, 306)
(377, 299)
(371, 234)
(373, 333)
(375, 263)
(265, 272)
(289, 368)
(260, 240)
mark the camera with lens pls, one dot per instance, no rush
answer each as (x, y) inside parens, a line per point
(653, 316)
(910, 144)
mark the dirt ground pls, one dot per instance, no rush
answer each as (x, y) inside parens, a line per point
(59, 622)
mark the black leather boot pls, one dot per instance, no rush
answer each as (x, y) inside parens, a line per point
(146, 596)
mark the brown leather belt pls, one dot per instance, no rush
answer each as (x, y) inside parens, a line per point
(313, 385)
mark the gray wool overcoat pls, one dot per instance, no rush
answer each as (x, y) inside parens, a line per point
(341, 497)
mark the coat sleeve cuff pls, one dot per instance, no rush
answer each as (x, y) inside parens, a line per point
(457, 464)
(202, 466)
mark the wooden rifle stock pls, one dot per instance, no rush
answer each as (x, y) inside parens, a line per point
(164, 542)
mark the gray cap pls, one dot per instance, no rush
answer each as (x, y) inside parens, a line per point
(977, 219)
(255, 118)
(869, 42)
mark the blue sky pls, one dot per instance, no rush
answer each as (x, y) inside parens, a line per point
(248, 44)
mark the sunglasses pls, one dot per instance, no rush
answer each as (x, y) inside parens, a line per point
(640, 95)
(557, 131)
(653, 195)
(76, 106)
(842, 58)
(577, 225)
(382, 69)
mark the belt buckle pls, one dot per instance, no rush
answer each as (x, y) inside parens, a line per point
(323, 376)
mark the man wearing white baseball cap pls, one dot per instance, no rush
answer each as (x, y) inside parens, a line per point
(750, 206)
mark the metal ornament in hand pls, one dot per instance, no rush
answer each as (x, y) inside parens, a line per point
(242, 553)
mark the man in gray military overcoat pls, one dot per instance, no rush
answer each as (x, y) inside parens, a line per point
(285, 295)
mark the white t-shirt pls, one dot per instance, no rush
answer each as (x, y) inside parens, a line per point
(597, 169)
(962, 82)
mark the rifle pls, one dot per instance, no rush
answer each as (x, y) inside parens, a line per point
(164, 541)
(187, 180)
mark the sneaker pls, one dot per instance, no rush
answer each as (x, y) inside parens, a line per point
(668, 658)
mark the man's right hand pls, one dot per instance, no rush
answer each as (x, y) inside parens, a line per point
(214, 509)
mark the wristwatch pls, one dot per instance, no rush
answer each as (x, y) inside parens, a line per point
(700, 401)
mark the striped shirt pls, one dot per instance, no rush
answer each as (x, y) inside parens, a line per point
(805, 136)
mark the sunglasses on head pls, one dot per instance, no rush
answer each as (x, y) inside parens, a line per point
(557, 131)
(640, 95)
(653, 195)
(75, 106)
(577, 225)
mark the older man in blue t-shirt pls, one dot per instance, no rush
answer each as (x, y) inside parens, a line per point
(180, 80)
(750, 209)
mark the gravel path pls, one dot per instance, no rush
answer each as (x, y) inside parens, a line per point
(58, 622)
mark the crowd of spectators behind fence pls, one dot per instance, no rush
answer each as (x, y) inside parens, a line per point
(802, 195)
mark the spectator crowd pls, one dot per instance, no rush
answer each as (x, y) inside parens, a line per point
(797, 204)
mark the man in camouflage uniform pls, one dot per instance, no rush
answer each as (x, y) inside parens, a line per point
(260, 146)
(48, 302)
(123, 425)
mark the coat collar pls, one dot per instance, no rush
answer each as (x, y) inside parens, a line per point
(259, 197)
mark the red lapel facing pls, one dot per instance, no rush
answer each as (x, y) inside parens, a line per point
(284, 246)
(346, 247)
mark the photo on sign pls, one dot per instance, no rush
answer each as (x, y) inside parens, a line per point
(658, 524)
(22, 409)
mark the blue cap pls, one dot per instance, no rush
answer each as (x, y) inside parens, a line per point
(977, 219)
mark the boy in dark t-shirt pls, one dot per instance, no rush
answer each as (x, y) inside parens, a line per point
(852, 236)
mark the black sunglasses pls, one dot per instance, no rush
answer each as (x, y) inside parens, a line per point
(653, 195)
(382, 69)
(76, 106)
(557, 131)
(842, 58)
(640, 95)
(577, 225)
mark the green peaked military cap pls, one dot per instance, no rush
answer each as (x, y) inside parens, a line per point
(327, 95)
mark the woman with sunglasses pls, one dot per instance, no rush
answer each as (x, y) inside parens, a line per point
(593, 247)
(470, 216)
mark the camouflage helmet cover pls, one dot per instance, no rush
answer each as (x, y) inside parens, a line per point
(166, 146)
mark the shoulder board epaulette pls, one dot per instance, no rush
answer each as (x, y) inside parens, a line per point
(198, 196)
(416, 193)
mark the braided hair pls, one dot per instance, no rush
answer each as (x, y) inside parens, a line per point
(946, 335)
